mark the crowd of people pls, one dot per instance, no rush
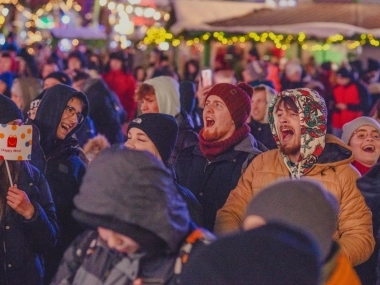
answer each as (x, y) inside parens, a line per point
(140, 175)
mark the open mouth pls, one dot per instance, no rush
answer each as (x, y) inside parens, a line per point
(209, 122)
(369, 149)
(286, 134)
(66, 127)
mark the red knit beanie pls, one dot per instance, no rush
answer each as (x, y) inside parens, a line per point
(237, 99)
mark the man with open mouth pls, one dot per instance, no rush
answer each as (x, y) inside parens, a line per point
(298, 120)
(55, 153)
(213, 167)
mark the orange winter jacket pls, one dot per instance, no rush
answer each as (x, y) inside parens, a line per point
(334, 171)
(339, 271)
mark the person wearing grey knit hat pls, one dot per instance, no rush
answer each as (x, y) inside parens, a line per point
(306, 205)
(363, 135)
(300, 203)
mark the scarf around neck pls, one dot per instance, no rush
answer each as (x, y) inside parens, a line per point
(212, 149)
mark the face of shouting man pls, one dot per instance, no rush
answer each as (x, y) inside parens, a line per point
(218, 123)
(289, 128)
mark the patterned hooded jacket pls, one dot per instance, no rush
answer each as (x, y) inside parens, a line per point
(313, 119)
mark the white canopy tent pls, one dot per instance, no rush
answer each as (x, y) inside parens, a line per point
(195, 15)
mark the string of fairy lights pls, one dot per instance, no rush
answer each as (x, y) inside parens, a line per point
(156, 36)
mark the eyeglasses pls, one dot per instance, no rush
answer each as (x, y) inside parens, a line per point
(362, 134)
(31, 113)
(70, 111)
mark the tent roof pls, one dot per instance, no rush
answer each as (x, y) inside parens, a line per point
(193, 15)
(83, 33)
(316, 19)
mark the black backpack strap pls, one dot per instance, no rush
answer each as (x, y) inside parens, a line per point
(198, 236)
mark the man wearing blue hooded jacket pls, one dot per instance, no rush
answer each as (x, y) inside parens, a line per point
(55, 153)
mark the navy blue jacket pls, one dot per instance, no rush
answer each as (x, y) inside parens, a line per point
(212, 181)
(369, 186)
(59, 161)
(24, 241)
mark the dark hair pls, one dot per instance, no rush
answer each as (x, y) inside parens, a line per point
(79, 55)
(144, 90)
(254, 52)
(80, 75)
(186, 74)
(136, 69)
(164, 57)
(288, 103)
(119, 55)
(259, 88)
(5, 54)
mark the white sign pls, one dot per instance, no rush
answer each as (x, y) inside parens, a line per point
(15, 142)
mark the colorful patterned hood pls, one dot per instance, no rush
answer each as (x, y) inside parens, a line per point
(313, 119)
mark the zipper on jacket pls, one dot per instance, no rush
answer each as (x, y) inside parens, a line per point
(207, 164)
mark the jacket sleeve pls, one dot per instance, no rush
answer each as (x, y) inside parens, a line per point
(354, 221)
(41, 231)
(230, 217)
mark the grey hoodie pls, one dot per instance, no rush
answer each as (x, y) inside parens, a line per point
(122, 195)
(167, 94)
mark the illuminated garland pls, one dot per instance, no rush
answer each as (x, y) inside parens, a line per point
(156, 36)
(34, 17)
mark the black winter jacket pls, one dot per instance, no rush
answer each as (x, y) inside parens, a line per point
(369, 186)
(212, 181)
(24, 241)
(187, 137)
(105, 110)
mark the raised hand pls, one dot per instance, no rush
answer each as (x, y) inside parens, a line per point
(19, 201)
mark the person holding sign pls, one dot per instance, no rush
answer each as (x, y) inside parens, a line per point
(55, 152)
(28, 223)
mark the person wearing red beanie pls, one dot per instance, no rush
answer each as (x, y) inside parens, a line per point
(213, 167)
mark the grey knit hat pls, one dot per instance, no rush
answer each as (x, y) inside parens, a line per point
(304, 203)
(351, 127)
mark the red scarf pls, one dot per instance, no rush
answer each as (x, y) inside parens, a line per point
(360, 167)
(212, 149)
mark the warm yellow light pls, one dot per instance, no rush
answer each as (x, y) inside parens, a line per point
(111, 5)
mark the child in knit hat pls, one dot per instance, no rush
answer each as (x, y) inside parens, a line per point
(308, 206)
(363, 135)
